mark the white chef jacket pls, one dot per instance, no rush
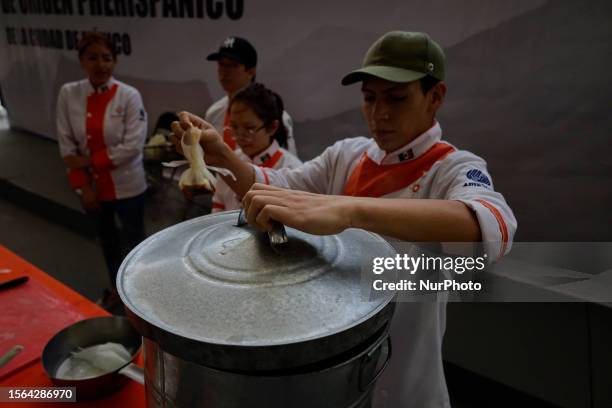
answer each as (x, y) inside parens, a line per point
(426, 168)
(215, 115)
(110, 126)
(274, 157)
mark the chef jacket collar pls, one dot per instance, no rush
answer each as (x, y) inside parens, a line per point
(261, 158)
(101, 89)
(411, 151)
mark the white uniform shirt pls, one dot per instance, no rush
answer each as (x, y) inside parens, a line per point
(417, 170)
(426, 168)
(274, 157)
(215, 115)
(108, 125)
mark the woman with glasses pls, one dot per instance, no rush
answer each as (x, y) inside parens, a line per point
(257, 127)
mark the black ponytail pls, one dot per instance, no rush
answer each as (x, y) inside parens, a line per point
(267, 105)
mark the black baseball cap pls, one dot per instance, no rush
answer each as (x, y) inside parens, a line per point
(237, 49)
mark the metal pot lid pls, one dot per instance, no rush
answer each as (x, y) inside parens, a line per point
(210, 281)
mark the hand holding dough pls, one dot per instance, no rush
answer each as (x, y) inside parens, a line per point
(197, 176)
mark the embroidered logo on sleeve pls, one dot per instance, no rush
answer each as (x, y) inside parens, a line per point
(142, 115)
(479, 179)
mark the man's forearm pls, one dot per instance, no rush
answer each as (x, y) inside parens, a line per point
(416, 220)
(244, 172)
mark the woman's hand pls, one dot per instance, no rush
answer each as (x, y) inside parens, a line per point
(211, 141)
(89, 198)
(317, 214)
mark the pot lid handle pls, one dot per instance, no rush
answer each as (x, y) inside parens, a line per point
(277, 236)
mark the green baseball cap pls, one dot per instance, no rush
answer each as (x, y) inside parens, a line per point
(401, 56)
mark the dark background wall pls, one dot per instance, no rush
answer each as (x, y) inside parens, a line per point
(529, 87)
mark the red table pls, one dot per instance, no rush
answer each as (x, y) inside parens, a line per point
(29, 373)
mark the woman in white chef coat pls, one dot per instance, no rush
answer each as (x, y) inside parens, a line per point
(101, 129)
(257, 127)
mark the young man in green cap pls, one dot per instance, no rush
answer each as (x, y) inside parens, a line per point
(404, 182)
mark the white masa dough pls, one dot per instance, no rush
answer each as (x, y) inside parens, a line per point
(93, 361)
(197, 175)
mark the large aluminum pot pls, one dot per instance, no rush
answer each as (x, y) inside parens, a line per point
(344, 382)
(219, 296)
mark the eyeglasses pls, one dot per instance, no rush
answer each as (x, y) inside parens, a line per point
(244, 133)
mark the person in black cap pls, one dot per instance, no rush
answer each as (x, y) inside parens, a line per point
(237, 65)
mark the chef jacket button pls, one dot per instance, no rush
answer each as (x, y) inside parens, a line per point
(95, 176)
(89, 137)
(89, 114)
